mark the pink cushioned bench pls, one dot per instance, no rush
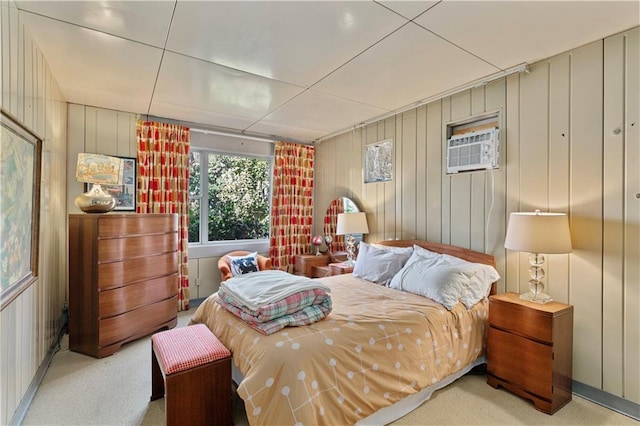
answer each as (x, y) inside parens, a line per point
(192, 370)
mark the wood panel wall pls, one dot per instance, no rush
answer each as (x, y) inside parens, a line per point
(570, 143)
(30, 324)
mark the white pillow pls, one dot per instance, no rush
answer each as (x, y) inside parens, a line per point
(482, 277)
(434, 278)
(244, 264)
(426, 253)
(379, 265)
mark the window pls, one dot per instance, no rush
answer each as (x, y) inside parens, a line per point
(229, 197)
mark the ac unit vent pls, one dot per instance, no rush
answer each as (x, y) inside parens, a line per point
(473, 151)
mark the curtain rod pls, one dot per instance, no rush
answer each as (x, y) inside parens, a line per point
(522, 68)
(203, 128)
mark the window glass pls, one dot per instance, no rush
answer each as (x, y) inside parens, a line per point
(234, 204)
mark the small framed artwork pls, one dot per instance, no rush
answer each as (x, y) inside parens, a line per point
(378, 161)
(124, 194)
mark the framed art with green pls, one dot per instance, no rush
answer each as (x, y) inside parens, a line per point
(20, 159)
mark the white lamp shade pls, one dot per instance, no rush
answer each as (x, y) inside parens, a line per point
(352, 223)
(537, 232)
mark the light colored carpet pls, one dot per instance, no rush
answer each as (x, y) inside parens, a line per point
(80, 390)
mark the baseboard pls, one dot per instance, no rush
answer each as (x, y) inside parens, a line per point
(25, 403)
(612, 402)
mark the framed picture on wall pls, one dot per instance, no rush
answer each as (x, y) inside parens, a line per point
(20, 160)
(378, 161)
(124, 194)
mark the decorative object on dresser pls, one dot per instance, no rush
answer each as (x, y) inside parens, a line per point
(538, 233)
(98, 169)
(530, 350)
(312, 266)
(351, 224)
(317, 241)
(123, 271)
(339, 205)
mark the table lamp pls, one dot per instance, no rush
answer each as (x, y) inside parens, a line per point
(537, 233)
(349, 224)
(97, 169)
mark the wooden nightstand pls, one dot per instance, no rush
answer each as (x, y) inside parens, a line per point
(530, 350)
(340, 268)
(311, 265)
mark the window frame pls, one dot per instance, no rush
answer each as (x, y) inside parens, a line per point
(206, 248)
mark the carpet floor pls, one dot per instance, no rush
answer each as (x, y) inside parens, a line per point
(81, 390)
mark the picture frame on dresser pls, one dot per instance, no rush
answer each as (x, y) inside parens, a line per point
(124, 194)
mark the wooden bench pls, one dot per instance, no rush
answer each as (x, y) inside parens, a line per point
(192, 370)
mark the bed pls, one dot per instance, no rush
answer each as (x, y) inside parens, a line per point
(379, 354)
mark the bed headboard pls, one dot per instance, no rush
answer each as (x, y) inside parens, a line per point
(462, 253)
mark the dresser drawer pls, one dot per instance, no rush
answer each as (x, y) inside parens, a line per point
(112, 249)
(520, 361)
(521, 320)
(134, 224)
(137, 323)
(124, 299)
(118, 274)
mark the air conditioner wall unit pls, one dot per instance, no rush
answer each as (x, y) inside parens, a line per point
(473, 151)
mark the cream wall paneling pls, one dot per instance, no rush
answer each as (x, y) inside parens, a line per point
(97, 130)
(30, 324)
(621, 241)
(204, 277)
(558, 152)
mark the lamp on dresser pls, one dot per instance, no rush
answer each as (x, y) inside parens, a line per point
(537, 233)
(97, 170)
(349, 224)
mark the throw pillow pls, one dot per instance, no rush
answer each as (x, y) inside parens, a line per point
(244, 264)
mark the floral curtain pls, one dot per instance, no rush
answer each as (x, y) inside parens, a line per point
(163, 184)
(291, 204)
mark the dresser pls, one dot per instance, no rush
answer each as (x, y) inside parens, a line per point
(311, 265)
(123, 278)
(529, 350)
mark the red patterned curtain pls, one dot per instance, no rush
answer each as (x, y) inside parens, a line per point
(292, 204)
(163, 184)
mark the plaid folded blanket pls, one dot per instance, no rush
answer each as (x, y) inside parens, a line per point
(302, 308)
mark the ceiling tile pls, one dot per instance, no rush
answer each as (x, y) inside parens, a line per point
(89, 65)
(409, 65)
(288, 130)
(198, 115)
(296, 42)
(143, 21)
(408, 9)
(184, 81)
(322, 112)
(507, 33)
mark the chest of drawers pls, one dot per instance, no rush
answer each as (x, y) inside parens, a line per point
(123, 271)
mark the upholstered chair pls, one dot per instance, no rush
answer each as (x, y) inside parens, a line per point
(225, 265)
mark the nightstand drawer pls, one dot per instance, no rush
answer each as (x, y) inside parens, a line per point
(521, 320)
(520, 361)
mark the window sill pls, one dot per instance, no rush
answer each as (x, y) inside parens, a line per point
(198, 251)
